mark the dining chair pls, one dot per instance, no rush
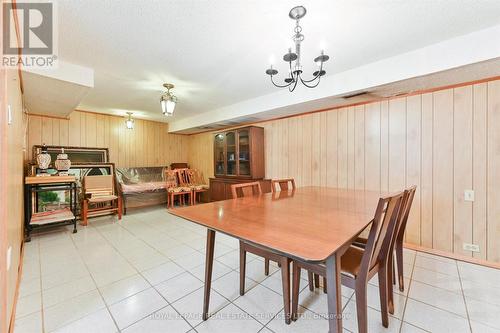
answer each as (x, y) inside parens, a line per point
(254, 188)
(398, 246)
(359, 265)
(245, 189)
(196, 182)
(177, 187)
(99, 197)
(283, 184)
(399, 232)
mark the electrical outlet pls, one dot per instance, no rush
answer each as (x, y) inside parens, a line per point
(468, 195)
(9, 257)
(471, 247)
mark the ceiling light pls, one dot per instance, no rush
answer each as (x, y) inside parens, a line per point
(129, 122)
(295, 69)
(168, 101)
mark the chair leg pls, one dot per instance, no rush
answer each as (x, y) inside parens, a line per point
(393, 272)
(399, 259)
(85, 212)
(243, 256)
(285, 280)
(362, 307)
(310, 280)
(324, 285)
(316, 280)
(390, 285)
(295, 290)
(266, 267)
(119, 203)
(383, 285)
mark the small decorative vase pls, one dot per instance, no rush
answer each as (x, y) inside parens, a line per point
(43, 160)
(62, 163)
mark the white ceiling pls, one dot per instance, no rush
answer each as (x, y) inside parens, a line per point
(56, 92)
(216, 51)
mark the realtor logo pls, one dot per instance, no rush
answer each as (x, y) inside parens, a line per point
(29, 36)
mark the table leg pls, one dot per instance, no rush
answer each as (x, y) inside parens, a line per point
(285, 277)
(334, 296)
(209, 262)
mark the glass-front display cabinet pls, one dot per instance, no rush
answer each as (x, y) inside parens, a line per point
(238, 158)
(240, 153)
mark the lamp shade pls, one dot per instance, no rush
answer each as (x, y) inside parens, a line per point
(167, 106)
(129, 124)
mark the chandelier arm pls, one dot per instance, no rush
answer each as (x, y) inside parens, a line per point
(312, 86)
(311, 80)
(278, 85)
(296, 80)
(315, 77)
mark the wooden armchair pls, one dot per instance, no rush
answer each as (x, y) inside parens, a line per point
(99, 197)
(177, 186)
(198, 186)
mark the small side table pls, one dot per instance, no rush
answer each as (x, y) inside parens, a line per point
(38, 220)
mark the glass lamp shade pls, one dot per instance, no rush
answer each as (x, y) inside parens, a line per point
(129, 123)
(167, 106)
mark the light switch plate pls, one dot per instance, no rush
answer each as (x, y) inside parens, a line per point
(9, 114)
(468, 195)
(9, 257)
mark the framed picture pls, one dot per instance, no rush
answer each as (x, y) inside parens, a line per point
(51, 200)
(77, 155)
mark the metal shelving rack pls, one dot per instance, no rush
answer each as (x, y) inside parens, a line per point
(34, 220)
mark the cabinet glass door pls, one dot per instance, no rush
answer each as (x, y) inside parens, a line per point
(220, 168)
(244, 153)
(231, 153)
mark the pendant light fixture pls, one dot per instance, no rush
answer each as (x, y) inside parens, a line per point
(129, 122)
(168, 100)
(294, 58)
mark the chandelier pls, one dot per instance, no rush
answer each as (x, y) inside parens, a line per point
(129, 122)
(295, 71)
(168, 101)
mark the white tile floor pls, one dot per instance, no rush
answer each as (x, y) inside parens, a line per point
(145, 274)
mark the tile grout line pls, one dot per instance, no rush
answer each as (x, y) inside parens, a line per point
(408, 291)
(97, 288)
(463, 297)
(152, 286)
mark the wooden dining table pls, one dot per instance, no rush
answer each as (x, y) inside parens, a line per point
(312, 224)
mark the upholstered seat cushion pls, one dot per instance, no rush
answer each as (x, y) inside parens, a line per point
(200, 187)
(143, 187)
(178, 189)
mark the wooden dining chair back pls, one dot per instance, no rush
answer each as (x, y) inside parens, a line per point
(177, 186)
(399, 233)
(245, 189)
(198, 186)
(99, 197)
(249, 189)
(359, 265)
(283, 184)
(381, 233)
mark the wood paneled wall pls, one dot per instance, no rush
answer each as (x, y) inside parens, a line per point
(445, 142)
(12, 206)
(148, 144)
